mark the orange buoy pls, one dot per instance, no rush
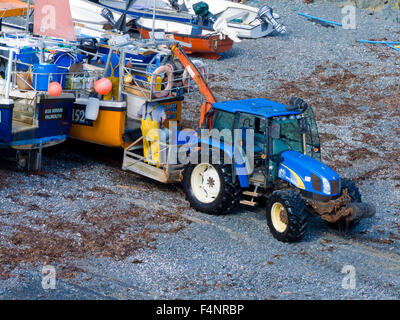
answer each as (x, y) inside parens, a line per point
(54, 89)
(103, 86)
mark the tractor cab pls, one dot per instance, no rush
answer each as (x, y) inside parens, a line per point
(267, 129)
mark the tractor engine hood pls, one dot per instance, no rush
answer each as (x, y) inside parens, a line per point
(309, 175)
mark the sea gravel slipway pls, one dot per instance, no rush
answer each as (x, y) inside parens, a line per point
(115, 235)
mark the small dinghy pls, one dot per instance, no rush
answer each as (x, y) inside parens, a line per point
(206, 35)
(246, 21)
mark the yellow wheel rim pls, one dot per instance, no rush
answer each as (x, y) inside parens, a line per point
(279, 217)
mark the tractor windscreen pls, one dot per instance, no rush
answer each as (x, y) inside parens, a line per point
(290, 137)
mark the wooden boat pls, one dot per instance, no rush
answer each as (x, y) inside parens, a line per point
(206, 44)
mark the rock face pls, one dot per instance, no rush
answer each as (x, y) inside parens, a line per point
(383, 9)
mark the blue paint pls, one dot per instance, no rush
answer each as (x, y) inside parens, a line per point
(260, 107)
(379, 42)
(40, 141)
(304, 166)
(390, 46)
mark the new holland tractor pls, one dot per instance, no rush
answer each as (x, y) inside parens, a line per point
(256, 149)
(287, 168)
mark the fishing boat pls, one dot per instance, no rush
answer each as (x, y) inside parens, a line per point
(35, 111)
(205, 37)
(243, 20)
(149, 79)
(202, 41)
(30, 118)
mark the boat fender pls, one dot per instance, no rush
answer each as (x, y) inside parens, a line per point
(169, 70)
(92, 109)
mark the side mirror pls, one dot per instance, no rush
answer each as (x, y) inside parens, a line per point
(275, 130)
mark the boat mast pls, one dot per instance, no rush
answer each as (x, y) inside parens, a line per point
(27, 17)
(154, 20)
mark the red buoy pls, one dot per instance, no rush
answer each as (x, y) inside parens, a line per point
(103, 86)
(54, 89)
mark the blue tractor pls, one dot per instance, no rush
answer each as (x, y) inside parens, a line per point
(254, 149)
(260, 149)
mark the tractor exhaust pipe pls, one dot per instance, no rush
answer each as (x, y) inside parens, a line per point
(360, 210)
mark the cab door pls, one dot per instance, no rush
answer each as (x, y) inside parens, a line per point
(313, 145)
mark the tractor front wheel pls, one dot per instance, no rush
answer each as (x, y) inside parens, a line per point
(286, 216)
(210, 188)
(355, 196)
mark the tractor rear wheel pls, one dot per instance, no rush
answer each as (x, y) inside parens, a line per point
(210, 188)
(286, 215)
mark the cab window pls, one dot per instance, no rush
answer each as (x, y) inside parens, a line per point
(224, 120)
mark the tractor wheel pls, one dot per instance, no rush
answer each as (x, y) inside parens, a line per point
(355, 196)
(210, 189)
(286, 215)
(352, 189)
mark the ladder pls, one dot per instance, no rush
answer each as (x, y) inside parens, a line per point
(253, 194)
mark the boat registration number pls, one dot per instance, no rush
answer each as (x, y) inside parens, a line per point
(78, 116)
(54, 113)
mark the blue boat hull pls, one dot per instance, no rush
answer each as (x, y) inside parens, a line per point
(54, 118)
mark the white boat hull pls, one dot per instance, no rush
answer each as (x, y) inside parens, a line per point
(240, 18)
(87, 18)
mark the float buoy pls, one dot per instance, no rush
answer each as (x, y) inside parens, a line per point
(103, 86)
(54, 89)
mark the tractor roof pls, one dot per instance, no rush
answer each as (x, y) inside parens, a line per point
(260, 107)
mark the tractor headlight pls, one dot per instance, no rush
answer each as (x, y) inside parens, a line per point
(326, 186)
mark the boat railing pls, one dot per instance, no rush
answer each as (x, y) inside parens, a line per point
(69, 81)
(157, 83)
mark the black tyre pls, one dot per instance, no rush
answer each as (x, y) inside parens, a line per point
(352, 189)
(286, 215)
(355, 196)
(210, 189)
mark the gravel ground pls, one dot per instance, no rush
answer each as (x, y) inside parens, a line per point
(115, 235)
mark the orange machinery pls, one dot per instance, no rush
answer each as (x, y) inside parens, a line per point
(12, 8)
